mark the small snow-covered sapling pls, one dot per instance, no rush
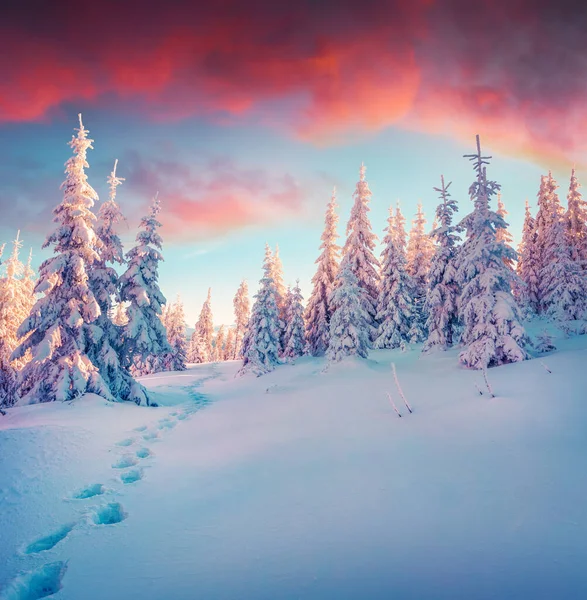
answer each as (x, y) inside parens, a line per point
(489, 389)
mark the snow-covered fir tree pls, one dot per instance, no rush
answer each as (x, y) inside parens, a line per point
(576, 223)
(261, 342)
(219, 344)
(395, 307)
(563, 284)
(205, 329)
(492, 333)
(295, 332)
(358, 249)
(229, 345)
(350, 322)
(319, 310)
(242, 313)
(197, 348)
(418, 257)
(527, 290)
(8, 378)
(58, 328)
(281, 294)
(443, 290)
(174, 322)
(502, 234)
(144, 336)
(105, 343)
(118, 314)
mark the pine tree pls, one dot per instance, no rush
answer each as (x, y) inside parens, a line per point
(563, 284)
(295, 333)
(8, 379)
(219, 345)
(319, 311)
(358, 249)
(349, 325)
(261, 341)
(419, 254)
(205, 329)
(576, 223)
(197, 347)
(492, 333)
(174, 322)
(118, 314)
(443, 290)
(281, 294)
(528, 268)
(502, 235)
(229, 346)
(242, 313)
(144, 338)
(395, 308)
(104, 343)
(57, 328)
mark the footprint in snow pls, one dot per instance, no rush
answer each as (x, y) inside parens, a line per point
(141, 428)
(167, 425)
(131, 476)
(152, 435)
(49, 541)
(109, 514)
(126, 442)
(40, 583)
(96, 489)
(128, 460)
(143, 453)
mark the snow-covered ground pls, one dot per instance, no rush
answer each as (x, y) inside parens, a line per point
(304, 484)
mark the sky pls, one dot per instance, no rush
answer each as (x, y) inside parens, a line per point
(244, 115)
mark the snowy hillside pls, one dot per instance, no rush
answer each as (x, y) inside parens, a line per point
(304, 484)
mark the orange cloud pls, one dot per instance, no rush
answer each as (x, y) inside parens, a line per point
(320, 71)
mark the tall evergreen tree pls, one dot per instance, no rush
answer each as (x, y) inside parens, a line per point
(502, 234)
(57, 330)
(419, 254)
(576, 223)
(104, 343)
(144, 336)
(242, 313)
(395, 307)
(443, 289)
(295, 334)
(219, 344)
(174, 322)
(358, 249)
(319, 311)
(528, 267)
(349, 325)
(492, 333)
(229, 346)
(205, 328)
(197, 348)
(8, 378)
(563, 284)
(261, 341)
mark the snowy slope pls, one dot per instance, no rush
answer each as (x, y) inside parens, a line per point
(304, 484)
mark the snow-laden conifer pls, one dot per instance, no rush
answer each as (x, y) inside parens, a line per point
(443, 290)
(528, 268)
(576, 223)
(502, 234)
(492, 333)
(58, 328)
(395, 307)
(261, 341)
(318, 310)
(197, 348)
(219, 344)
(229, 345)
(105, 343)
(419, 254)
(145, 339)
(563, 284)
(350, 322)
(174, 321)
(358, 249)
(205, 327)
(242, 313)
(295, 333)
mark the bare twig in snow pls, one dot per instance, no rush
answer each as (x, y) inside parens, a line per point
(547, 369)
(399, 414)
(2, 413)
(399, 389)
(478, 389)
(487, 382)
